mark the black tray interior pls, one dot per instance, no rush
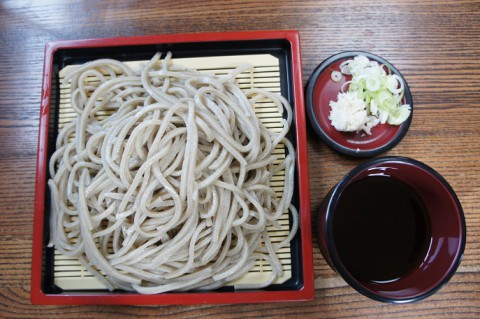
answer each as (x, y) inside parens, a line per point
(63, 57)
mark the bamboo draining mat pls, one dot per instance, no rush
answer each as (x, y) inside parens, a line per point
(69, 274)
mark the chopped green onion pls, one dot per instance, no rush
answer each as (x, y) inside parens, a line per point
(382, 91)
(336, 76)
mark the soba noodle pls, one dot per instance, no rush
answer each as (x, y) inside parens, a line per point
(163, 180)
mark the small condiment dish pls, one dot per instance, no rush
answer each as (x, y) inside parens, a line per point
(321, 89)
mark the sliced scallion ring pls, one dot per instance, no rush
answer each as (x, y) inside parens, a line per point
(336, 76)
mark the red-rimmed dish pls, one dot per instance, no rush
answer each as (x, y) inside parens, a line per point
(283, 45)
(321, 89)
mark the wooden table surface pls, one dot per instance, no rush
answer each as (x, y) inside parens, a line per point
(435, 44)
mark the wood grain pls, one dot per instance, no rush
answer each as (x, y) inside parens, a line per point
(435, 44)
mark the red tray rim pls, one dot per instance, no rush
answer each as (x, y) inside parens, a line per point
(38, 296)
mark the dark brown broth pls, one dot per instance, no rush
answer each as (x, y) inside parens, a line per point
(380, 229)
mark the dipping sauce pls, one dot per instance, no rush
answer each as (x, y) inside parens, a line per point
(380, 229)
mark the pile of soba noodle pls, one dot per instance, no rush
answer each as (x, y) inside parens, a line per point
(171, 191)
